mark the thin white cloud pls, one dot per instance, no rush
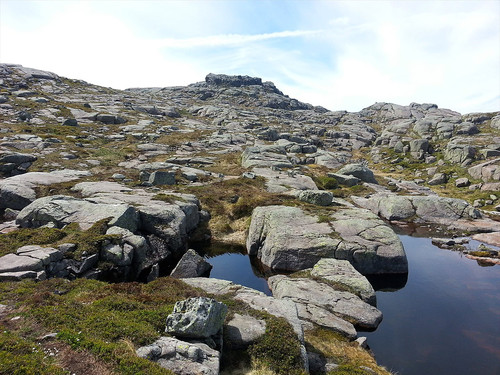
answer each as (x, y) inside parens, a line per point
(230, 39)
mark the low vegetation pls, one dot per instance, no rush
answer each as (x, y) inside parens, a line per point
(107, 322)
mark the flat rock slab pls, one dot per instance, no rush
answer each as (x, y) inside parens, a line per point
(19, 191)
(62, 210)
(17, 263)
(341, 272)
(265, 156)
(345, 305)
(288, 239)
(489, 238)
(419, 209)
(182, 357)
(284, 181)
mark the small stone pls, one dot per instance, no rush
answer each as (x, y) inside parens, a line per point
(438, 179)
(118, 176)
(362, 342)
(462, 182)
(162, 178)
(70, 122)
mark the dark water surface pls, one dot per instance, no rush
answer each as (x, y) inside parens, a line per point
(237, 268)
(444, 321)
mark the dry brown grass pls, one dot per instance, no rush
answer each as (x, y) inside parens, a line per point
(343, 352)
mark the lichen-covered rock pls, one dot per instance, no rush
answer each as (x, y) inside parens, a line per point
(196, 318)
(316, 197)
(286, 238)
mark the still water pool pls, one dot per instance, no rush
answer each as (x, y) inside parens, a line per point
(445, 320)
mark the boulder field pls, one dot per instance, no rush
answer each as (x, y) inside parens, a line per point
(128, 186)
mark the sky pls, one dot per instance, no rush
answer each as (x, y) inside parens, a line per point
(342, 55)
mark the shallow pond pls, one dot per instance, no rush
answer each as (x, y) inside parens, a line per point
(444, 319)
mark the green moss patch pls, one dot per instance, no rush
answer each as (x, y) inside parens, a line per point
(97, 317)
(278, 349)
(10, 242)
(19, 356)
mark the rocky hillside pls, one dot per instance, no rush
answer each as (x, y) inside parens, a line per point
(101, 185)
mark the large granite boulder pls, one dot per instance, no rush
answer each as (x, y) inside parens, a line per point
(316, 197)
(196, 318)
(345, 305)
(288, 239)
(486, 171)
(181, 357)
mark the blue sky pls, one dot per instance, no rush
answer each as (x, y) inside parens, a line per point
(338, 54)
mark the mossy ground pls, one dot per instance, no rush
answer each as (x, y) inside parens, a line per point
(105, 323)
